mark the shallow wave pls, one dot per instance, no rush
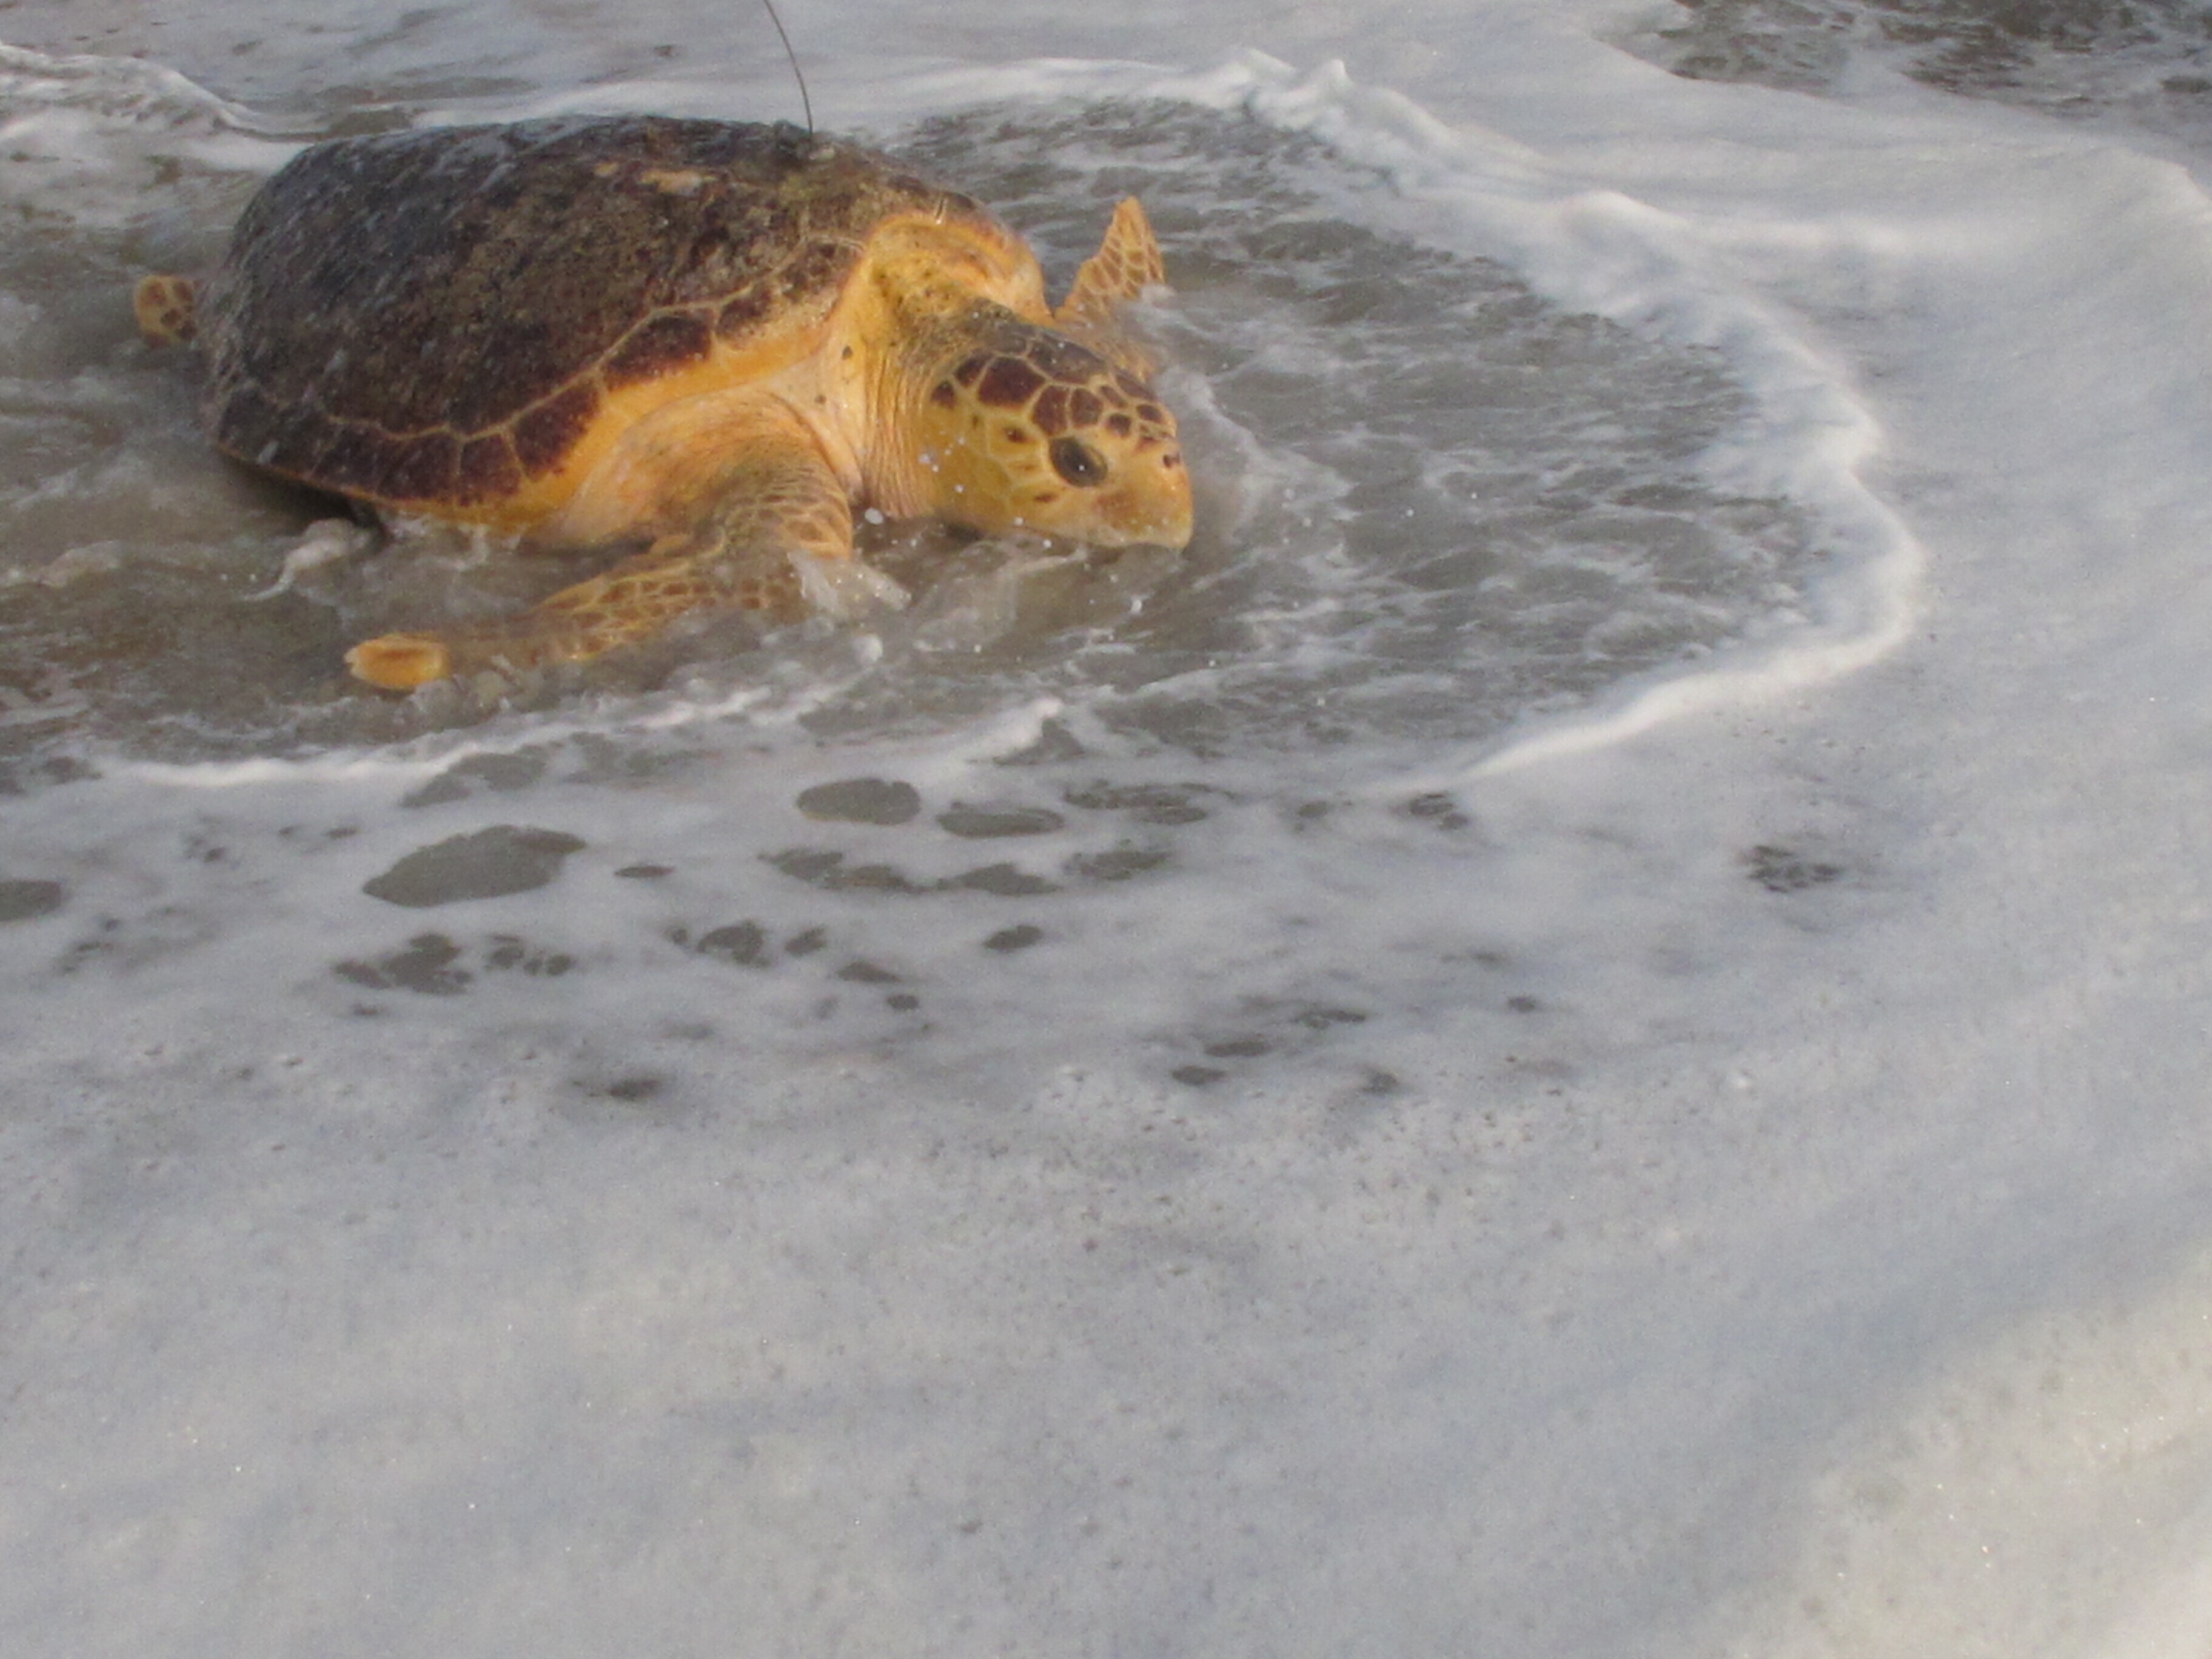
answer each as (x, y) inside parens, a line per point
(1434, 503)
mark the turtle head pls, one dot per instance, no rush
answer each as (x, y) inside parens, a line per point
(1026, 428)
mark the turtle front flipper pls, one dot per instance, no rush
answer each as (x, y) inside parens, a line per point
(631, 601)
(774, 533)
(1127, 264)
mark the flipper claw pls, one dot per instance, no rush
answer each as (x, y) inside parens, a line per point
(167, 308)
(400, 662)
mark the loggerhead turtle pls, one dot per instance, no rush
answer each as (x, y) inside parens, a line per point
(707, 342)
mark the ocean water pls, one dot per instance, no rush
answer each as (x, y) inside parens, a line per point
(1582, 1031)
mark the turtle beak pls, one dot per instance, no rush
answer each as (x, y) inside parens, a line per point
(1153, 507)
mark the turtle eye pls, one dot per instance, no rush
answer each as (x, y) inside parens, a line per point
(1078, 462)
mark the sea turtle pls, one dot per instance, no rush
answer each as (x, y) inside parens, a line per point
(704, 343)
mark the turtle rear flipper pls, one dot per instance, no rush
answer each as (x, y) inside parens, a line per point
(167, 308)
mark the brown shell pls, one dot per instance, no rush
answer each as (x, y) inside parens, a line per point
(438, 317)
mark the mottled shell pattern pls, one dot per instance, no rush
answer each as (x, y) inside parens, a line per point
(454, 308)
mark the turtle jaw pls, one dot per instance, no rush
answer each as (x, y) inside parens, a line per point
(1157, 516)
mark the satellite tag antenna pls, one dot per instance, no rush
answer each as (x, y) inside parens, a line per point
(805, 102)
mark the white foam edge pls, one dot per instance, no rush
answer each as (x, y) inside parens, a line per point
(988, 739)
(25, 73)
(1595, 249)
